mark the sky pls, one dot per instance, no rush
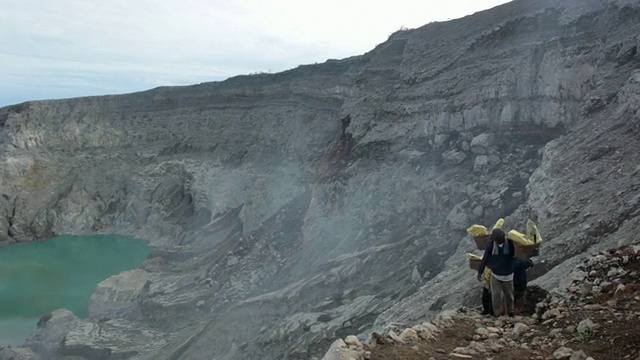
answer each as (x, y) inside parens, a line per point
(70, 48)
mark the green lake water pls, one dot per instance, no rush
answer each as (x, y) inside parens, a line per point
(62, 272)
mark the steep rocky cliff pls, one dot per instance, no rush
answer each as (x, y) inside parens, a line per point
(285, 210)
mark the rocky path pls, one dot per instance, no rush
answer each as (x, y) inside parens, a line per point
(596, 317)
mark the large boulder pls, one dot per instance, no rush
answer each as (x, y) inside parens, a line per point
(483, 143)
(119, 296)
(52, 329)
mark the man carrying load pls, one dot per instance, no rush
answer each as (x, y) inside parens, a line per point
(499, 254)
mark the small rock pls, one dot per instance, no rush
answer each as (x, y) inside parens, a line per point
(606, 286)
(550, 314)
(232, 260)
(478, 347)
(562, 353)
(423, 331)
(453, 157)
(430, 326)
(594, 307)
(555, 332)
(520, 328)
(464, 351)
(409, 335)
(481, 144)
(492, 329)
(620, 288)
(585, 325)
(352, 340)
(461, 356)
(395, 337)
(578, 355)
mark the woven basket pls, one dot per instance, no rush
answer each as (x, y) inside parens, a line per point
(474, 264)
(527, 251)
(481, 241)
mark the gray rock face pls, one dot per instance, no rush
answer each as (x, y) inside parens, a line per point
(5, 217)
(119, 296)
(483, 143)
(52, 329)
(277, 227)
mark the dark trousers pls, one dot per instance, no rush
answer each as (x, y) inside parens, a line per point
(519, 296)
(487, 309)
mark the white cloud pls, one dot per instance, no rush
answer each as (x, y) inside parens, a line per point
(62, 48)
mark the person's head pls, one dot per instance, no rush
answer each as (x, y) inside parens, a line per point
(497, 235)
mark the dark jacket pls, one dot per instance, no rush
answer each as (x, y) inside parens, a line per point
(520, 267)
(501, 264)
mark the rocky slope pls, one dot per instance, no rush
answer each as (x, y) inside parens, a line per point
(285, 210)
(596, 317)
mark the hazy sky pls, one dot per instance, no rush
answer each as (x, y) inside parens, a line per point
(67, 48)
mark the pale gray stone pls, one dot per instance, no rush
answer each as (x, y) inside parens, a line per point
(586, 325)
(453, 157)
(478, 211)
(562, 353)
(578, 355)
(481, 163)
(415, 275)
(520, 328)
(482, 143)
(119, 296)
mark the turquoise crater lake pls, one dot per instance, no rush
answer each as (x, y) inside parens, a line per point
(62, 272)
